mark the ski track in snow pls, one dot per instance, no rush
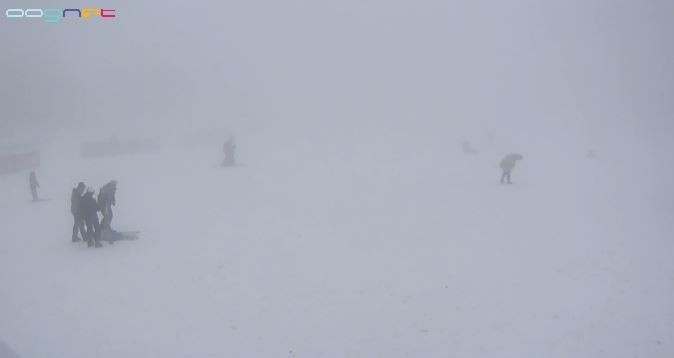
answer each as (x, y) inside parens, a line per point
(341, 257)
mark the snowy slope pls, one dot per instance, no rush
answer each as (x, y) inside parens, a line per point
(317, 249)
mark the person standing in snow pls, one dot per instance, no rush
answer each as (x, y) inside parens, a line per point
(89, 211)
(230, 151)
(106, 200)
(507, 164)
(34, 185)
(75, 199)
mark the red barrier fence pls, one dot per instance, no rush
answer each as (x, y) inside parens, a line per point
(117, 147)
(17, 162)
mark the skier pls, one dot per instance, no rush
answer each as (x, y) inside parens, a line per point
(106, 200)
(230, 150)
(75, 199)
(34, 185)
(89, 210)
(507, 164)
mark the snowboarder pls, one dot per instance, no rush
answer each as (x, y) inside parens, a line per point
(89, 210)
(34, 185)
(106, 200)
(75, 200)
(507, 164)
(230, 151)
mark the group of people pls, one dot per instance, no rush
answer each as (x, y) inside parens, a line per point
(85, 208)
(92, 229)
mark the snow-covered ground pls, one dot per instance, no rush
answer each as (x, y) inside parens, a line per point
(319, 248)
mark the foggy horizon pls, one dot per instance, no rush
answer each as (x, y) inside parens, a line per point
(594, 64)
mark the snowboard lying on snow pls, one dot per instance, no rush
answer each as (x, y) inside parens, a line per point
(39, 200)
(111, 236)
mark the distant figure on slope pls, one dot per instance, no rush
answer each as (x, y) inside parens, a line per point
(34, 185)
(89, 210)
(75, 201)
(106, 200)
(468, 148)
(591, 154)
(230, 151)
(507, 164)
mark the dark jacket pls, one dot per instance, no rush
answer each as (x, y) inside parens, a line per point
(33, 181)
(88, 206)
(75, 199)
(106, 196)
(508, 163)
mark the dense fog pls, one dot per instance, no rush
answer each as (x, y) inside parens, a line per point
(332, 179)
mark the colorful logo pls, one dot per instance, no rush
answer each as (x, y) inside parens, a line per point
(55, 15)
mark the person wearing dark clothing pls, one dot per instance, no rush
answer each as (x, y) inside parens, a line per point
(34, 185)
(507, 164)
(230, 151)
(75, 199)
(106, 200)
(89, 210)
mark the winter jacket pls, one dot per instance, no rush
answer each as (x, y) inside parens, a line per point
(88, 206)
(508, 163)
(106, 196)
(75, 199)
(33, 181)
